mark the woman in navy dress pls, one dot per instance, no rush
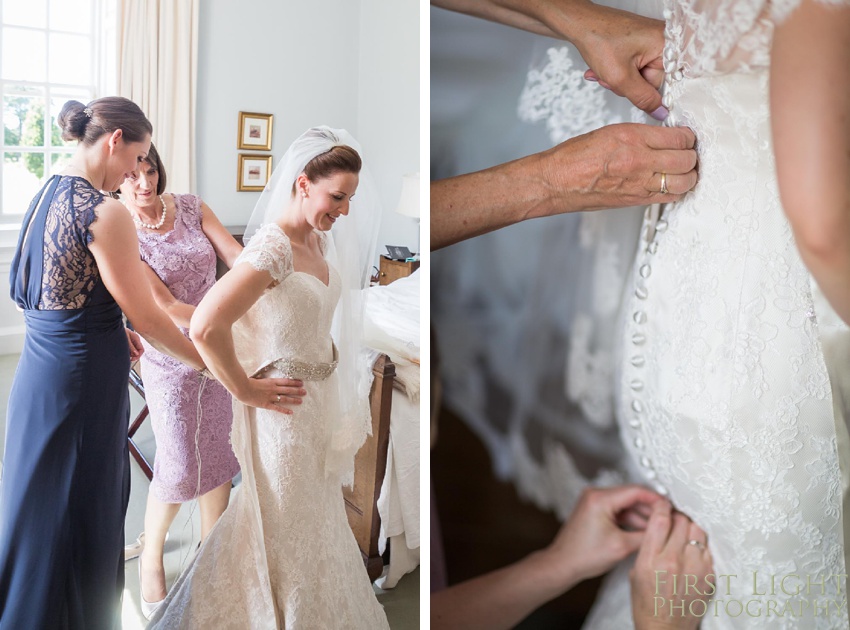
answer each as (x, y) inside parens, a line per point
(65, 481)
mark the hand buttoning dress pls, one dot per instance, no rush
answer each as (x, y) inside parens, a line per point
(732, 397)
(282, 555)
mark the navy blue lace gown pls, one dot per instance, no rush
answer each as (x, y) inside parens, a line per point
(66, 478)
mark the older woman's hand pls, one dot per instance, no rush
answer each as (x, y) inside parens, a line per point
(622, 165)
(622, 49)
(613, 167)
(672, 579)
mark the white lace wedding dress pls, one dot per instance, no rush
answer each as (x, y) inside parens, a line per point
(282, 555)
(734, 394)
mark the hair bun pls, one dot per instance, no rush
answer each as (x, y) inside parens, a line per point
(72, 120)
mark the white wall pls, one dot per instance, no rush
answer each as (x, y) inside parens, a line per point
(355, 66)
(296, 60)
(388, 107)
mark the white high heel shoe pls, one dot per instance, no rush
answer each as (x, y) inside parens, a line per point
(148, 608)
(134, 550)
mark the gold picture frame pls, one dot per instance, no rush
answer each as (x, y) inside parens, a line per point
(255, 131)
(253, 172)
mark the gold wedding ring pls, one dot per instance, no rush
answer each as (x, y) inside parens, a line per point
(664, 190)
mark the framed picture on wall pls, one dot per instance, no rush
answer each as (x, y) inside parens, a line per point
(254, 171)
(255, 131)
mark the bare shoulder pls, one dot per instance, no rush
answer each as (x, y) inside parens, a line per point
(113, 220)
(111, 208)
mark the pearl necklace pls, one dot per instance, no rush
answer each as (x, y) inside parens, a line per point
(151, 226)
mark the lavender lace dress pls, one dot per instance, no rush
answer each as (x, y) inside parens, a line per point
(185, 261)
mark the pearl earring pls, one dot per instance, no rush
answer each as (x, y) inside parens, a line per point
(304, 193)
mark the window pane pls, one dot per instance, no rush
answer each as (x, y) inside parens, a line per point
(71, 15)
(24, 55)
(20, 183)
(23, 120)
(58, 161)
(70, 59)
(25, 12)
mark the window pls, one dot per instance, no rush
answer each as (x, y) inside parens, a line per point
(48, 55)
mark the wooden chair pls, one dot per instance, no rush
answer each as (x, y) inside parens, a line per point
(136, 383)
(370, 465)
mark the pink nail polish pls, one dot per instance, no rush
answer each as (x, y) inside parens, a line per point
(661, 113)
(593, 79)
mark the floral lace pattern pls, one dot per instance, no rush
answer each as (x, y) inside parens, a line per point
(70, 271)
(725, 402)
(185, 261)
(722, 36)
(282, 555)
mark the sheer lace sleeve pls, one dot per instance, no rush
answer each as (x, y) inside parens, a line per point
(269, 250)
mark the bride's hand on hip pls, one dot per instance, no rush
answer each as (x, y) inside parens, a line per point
(275, 394)
(672, 579)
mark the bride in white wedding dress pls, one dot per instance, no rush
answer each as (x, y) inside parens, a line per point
(283, 555)
(733, 396)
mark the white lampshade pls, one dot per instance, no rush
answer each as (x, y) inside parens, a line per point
(408, 203)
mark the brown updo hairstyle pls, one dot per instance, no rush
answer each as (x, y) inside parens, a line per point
(339, 159)
(107, 114)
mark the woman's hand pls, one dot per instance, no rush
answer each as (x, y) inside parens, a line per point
(135, 343)
(275, 394)
(672, 546)
(624, 51)
(605, 527)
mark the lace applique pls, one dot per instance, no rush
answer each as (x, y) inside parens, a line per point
(269, 250)
(558, 94)
(70, 270)
(722, 36)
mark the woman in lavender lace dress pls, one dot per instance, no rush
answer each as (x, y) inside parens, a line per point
(179, 239)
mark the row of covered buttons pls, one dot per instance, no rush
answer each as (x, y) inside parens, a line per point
(638, 359)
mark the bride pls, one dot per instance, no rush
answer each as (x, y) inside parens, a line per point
(282, 554)
(733, 393)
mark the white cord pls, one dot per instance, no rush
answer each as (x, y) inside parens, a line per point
(199, 412)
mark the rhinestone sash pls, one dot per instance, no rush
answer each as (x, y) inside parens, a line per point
(301, 370)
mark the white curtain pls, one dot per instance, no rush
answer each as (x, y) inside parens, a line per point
(158, 69)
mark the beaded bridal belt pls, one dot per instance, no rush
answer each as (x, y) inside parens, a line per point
(301, 370)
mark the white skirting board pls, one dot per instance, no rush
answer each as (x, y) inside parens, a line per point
(11, 339)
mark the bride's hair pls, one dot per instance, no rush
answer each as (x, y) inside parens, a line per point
(339, 159)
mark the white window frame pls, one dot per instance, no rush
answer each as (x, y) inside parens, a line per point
(99, 36)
